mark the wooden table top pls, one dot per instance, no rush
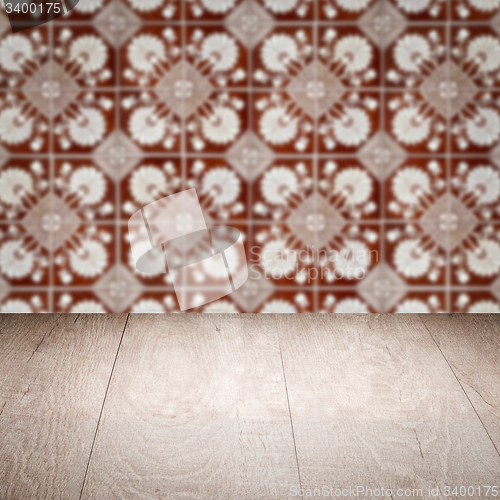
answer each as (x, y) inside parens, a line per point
(247, 406)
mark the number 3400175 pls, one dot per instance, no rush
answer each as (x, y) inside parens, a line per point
(33, 7)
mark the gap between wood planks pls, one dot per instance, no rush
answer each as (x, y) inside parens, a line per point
(460, 383)
(102, 406)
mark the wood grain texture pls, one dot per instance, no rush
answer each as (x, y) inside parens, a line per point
(471, 345)
(374, 404)
(20, 336)
(56, 376)
(196, 409)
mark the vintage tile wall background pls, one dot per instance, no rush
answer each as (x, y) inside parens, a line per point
(350, 125)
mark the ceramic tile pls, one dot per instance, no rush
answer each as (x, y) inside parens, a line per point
(474, 10)
(82, 120)
(475, 259)
(217, 123)
(72, 301)
(417, 253)
(222, 191)
(421, 302)
(345, 302)
(24, 186)
(348, 57)
(149, 180)
(475, 126)
(88, 12)
(474, 183)
(83, 56)
(346, 254)
(417, 190)
(473, 51)
(348, 190)
(345, 10)
(417, 59)
(288, 302)
(216, 11)
(152, 58)
(86, 254)
(316, 128)
(32, 53)
(25, 122)
(289, 10)
(475, 301)
(349, 124)
(416, 10)
(417, 122)
(164, 11)
(24, 255)
(25, 302)
(285, 57)
(283, 123)
(284, 190)
(150, 123)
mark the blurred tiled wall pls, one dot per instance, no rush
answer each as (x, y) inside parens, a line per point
(316, 127)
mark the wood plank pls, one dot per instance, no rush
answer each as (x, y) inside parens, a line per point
(196, 409)
(47, 430)
(471, 345)
(374, 404)
(20, 335)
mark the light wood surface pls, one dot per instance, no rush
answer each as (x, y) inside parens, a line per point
(471, 345)
(375, 404)
(202, 401)
(57, 371)
(246, 406)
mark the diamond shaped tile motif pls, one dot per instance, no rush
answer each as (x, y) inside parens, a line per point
(448, 89)
(315, 221)
(315, 89)
(448, 220)
(495, 23)
(117, 23)
(381, 155)
(183, 89)
(118, 288)
(51, 89)
(51, 222)
(249, 23)
(250, 156)
(117, 155)
(382, 23)
(382, 288)
(253, 294)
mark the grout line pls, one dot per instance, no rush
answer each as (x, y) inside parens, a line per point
(290, 413)
(102, 407)
(460, 383)
(383, 167)
(51, 149)
(448, 160)
(353, 288)
(264, 90)
(365, 222)
(250, 103)
(183, 138)
(221, 155)
(289, 23)
(118, 176)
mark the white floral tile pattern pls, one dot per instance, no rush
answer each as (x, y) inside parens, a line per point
(354, 143)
